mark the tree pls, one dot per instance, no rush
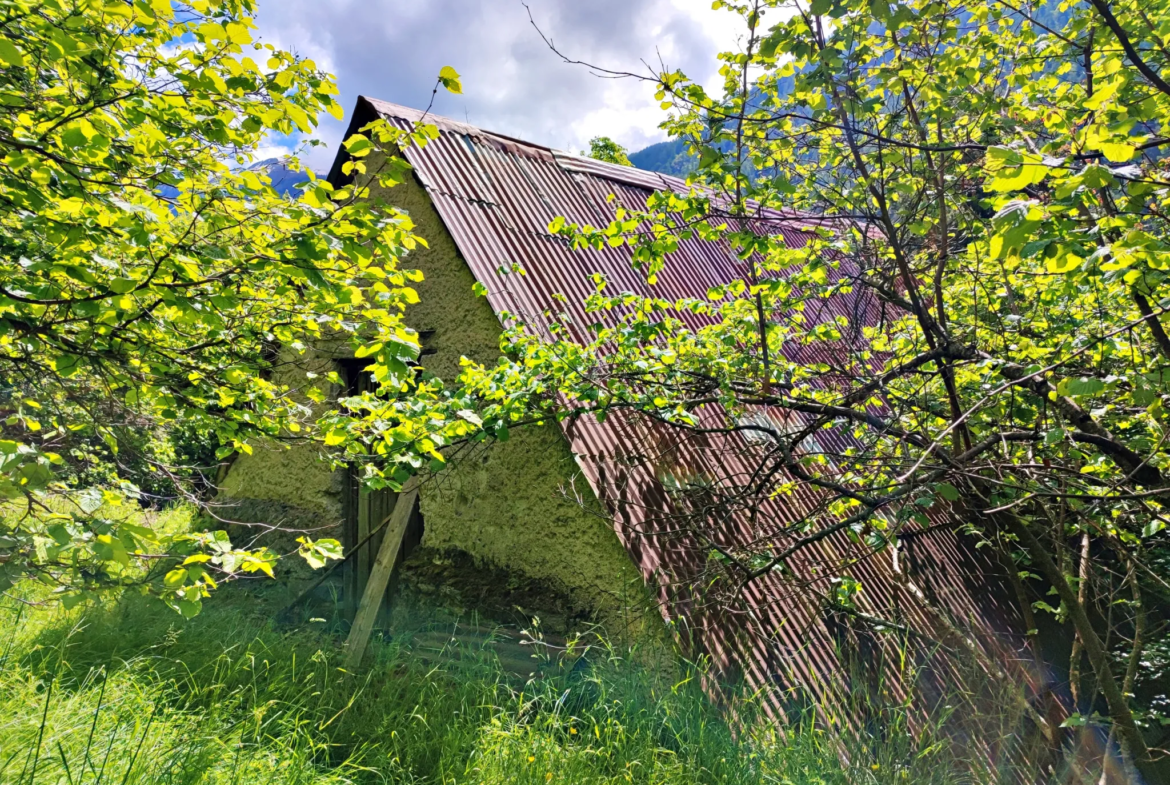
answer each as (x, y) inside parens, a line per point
(150, 280)
(987, 182)
(605, 149)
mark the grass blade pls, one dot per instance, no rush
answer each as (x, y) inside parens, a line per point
(65, 762)
(41, 733)
(101, 774)
(87, 763)
(141, 741)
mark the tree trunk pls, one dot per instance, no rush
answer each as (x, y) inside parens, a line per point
(1133, 744)
(1074, 665)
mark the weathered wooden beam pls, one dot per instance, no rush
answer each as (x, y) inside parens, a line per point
(367, 612)
(363, 558)
(351, 585)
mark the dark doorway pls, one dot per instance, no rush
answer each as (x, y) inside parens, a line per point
(365, 511)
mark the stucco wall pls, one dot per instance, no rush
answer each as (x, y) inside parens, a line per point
(289, 487)
(296, 476)
(505, 503)
(502, 504)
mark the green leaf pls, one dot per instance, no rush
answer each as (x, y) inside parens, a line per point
(1097, 176)
(67, 365)
(1118, 152)
(90, 500)
(330, 548)
(122, 285)
(708, 157)
(175, 578)
(769, 45)
(996, 158)
(449, 77)
(1018, 178)
(947, 491)
(59, 534)
(1063, 263)
(318, 554)
(162, 9)
(368, 350)
(1142, 395)
(1085, 385)
(10, 54)
(359, 146)
(1102, 93)
(189, 608)
(238, 33)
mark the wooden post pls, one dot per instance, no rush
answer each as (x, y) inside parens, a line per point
(351, 583)
(367, 612)
(363, 557)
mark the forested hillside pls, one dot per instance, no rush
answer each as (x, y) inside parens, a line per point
(669, 157)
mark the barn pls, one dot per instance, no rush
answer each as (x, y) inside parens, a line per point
(586, 509)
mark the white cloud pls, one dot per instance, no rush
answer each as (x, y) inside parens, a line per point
(512, 82)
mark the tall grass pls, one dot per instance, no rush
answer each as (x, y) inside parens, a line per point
(129, 693)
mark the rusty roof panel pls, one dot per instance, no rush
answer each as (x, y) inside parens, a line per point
(496, 196)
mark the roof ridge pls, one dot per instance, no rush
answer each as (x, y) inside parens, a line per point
(414, 115)
(628, 175)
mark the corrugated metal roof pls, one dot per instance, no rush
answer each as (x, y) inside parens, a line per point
(496, 196)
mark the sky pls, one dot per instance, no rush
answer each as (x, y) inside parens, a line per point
(512, 82)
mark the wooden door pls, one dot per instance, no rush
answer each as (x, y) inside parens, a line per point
(364, 511)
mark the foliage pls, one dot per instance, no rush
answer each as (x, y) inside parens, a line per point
(969, 330)
(150, 280)
(128, 694)
(605, 149)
